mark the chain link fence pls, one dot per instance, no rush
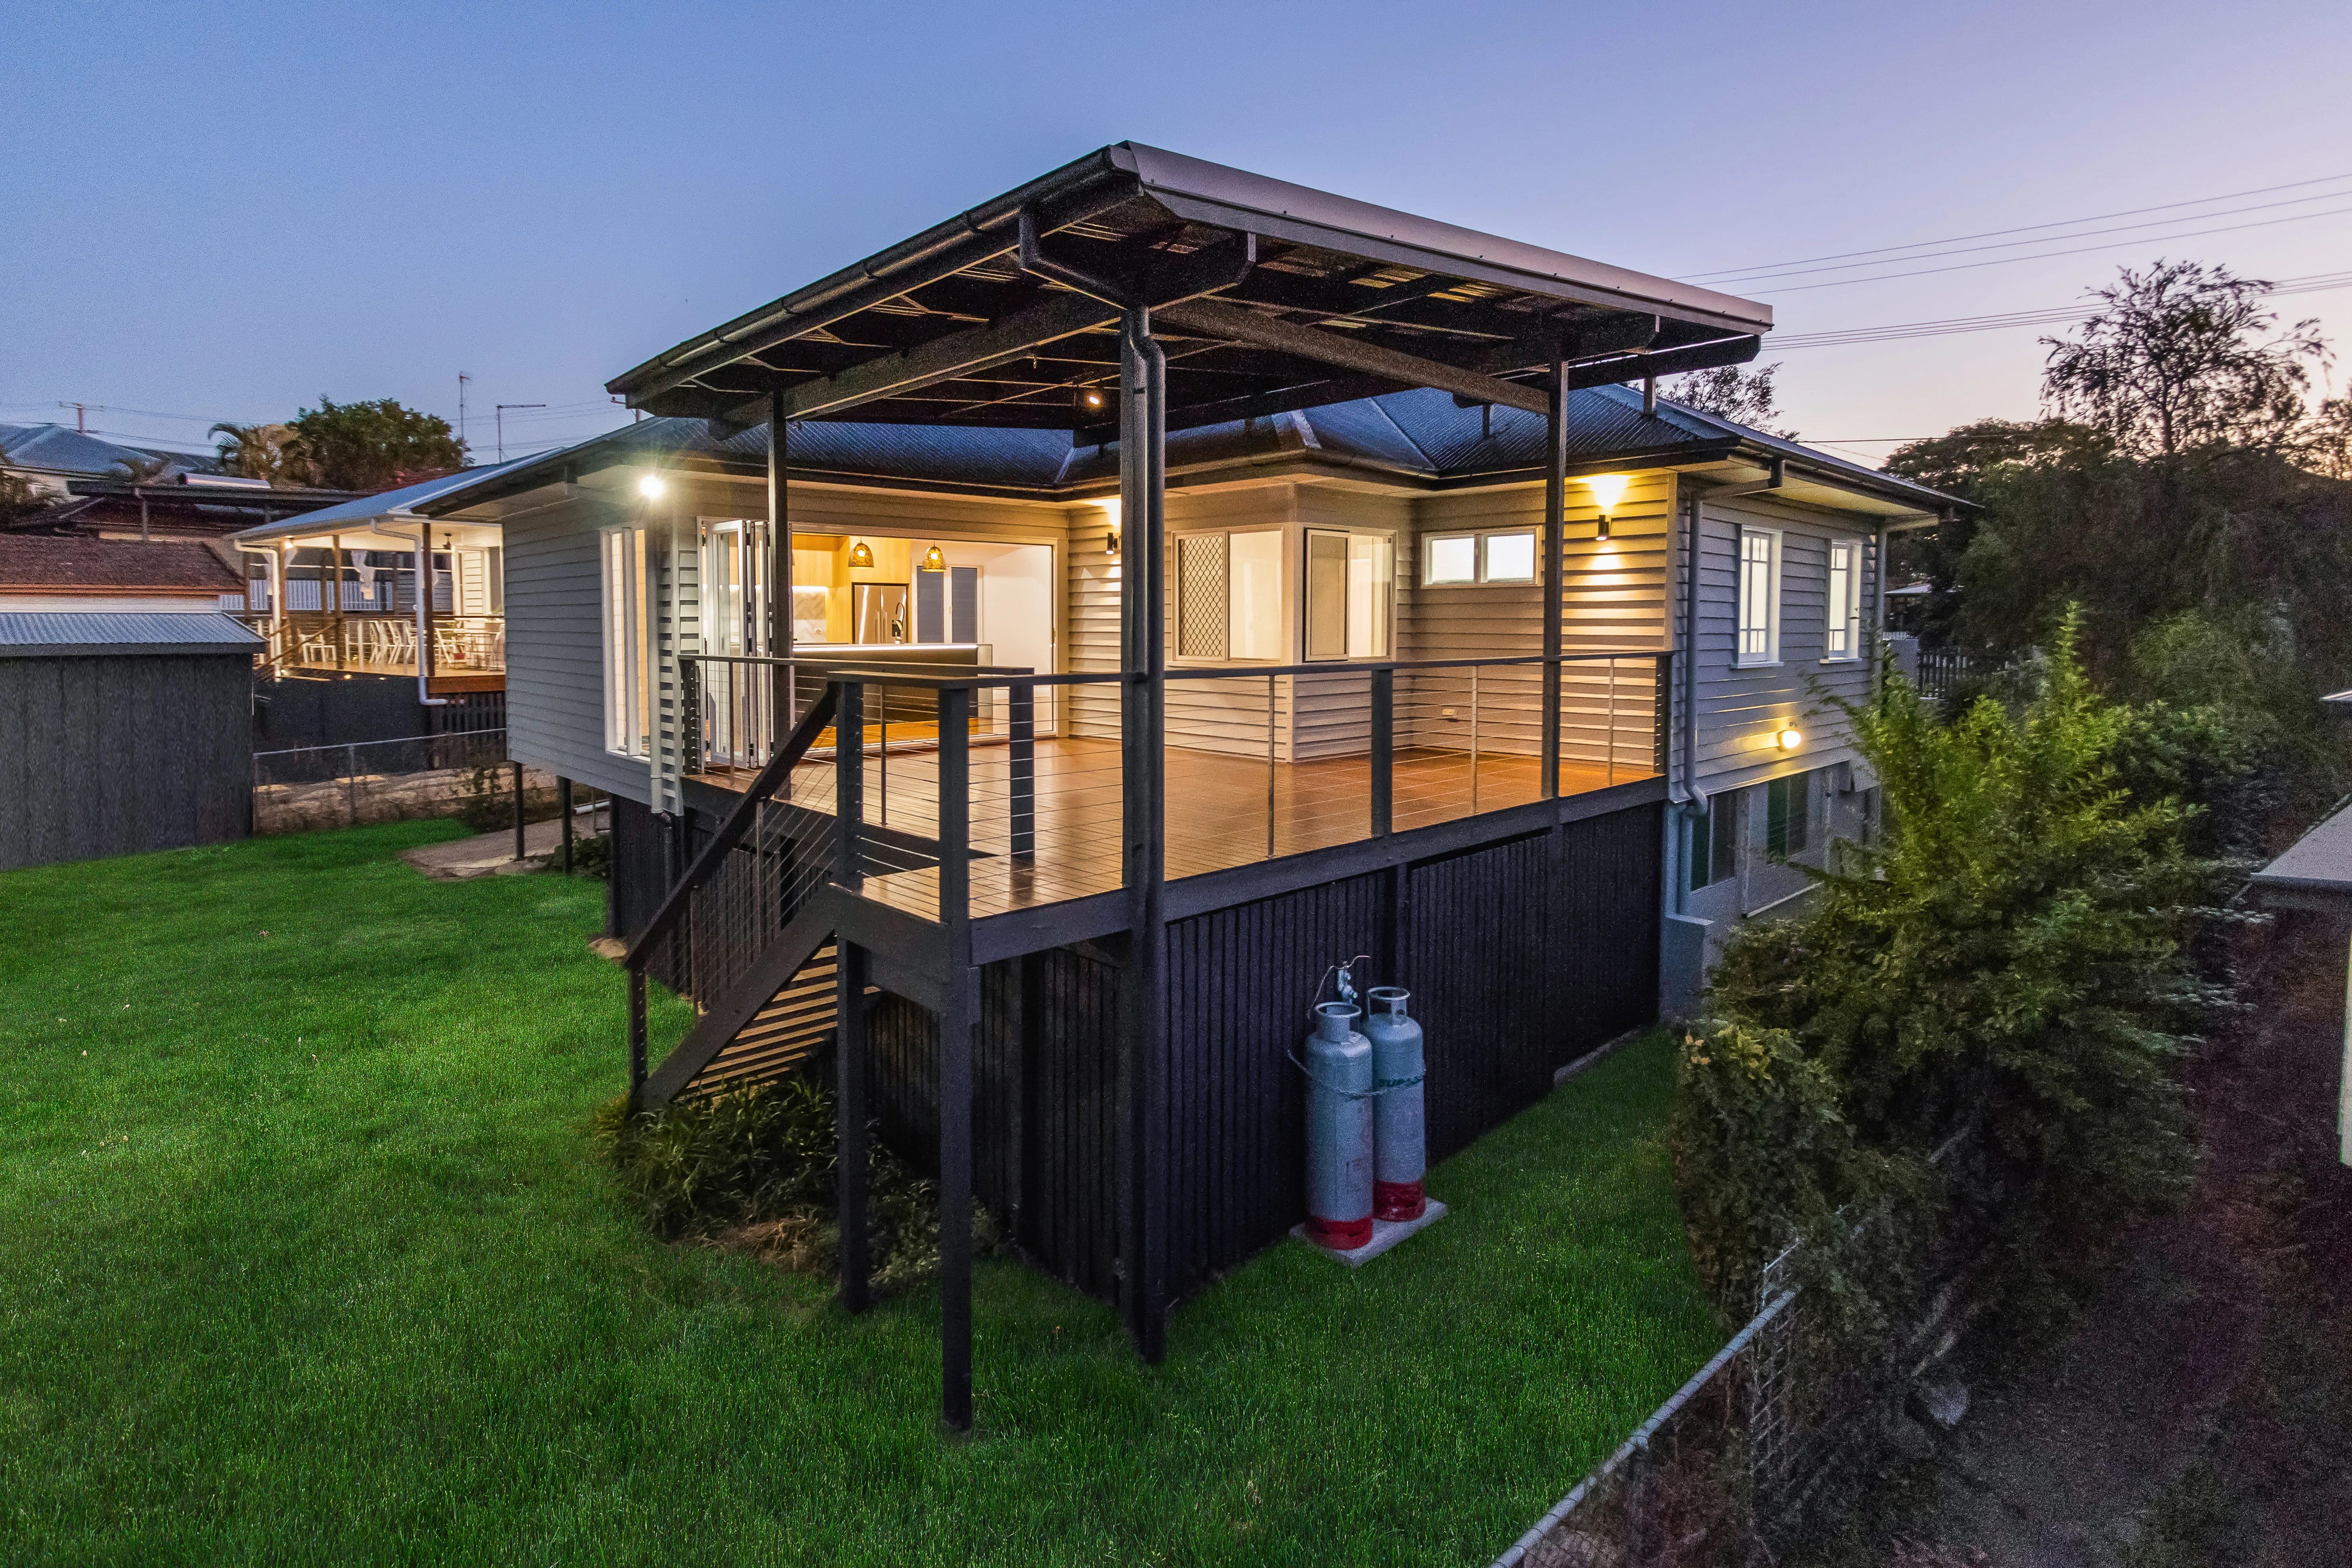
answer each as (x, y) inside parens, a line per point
(466, 775)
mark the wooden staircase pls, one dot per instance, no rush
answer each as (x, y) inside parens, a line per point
(764, 1021)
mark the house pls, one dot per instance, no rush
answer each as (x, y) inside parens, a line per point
(47, 572)
(50, 458)
(1189, 583)
(334, 591)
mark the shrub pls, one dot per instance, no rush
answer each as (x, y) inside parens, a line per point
(2008, 959)
(752, 1168)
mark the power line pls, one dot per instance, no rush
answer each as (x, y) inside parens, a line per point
(2055, 315)
(2051, 254)
(2026, 228)
(1766, 275)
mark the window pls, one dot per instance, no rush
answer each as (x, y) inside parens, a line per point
(1711, 842)
(1510, 557)
(1788, 815)
(1454, 559)
(1844, 635)
(628, 683)
(1759, 596)
(1229, 595)
(1350, 586)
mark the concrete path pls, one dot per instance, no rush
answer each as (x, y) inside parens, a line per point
(492, 854)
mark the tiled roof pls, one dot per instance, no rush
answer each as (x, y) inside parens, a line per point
(64, 561)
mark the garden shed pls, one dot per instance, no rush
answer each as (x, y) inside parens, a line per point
(122, 733)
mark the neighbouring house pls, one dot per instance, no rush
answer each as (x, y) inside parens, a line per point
(122, 731)
(87, 572)
(334, 591)
(1025, 662)
(52, 456)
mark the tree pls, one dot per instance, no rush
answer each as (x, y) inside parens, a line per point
(2328, 440)
(19, 496)
(2008, 959)
(1727, 392)
(261, 452)
(2183, 355)
(1961, 461)
(141, 466)
(373, 446)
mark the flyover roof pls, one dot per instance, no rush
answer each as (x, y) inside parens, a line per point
(45, 634)
(1004, 314)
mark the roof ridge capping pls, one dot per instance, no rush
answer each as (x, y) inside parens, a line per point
(1228, 197)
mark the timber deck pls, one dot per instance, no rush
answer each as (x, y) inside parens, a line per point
(1223, 810)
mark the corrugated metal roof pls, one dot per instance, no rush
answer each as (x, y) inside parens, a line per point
(37, 633)
(2318, 862)
(57, 450)
(383, 505)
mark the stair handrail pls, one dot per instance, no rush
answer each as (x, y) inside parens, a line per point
(770, 778)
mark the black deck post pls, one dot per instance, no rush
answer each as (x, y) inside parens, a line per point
(564, 808)
(849, 1102)
(1143, 1123)
(636, 1036)
(779, 629)
(958, 1014)
(1024, 769)
(518, 783)
(849, 780)
(1383, 750)
(1554, 551)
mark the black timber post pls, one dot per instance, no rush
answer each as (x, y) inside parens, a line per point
(636, 1035)
(518, 788)
(1554, 551)
(1143, 1121)
(563, 809)
(849, 781)
(957, 1013)
(1383, 750)
(849, 1101)
(1022, 767)
(779, 629)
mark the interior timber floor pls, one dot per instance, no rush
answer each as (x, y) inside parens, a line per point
(1223, 810)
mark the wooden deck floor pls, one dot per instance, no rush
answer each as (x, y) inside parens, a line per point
(1223, 810)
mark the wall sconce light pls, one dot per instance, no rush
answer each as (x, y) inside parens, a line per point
(1110, 544)
(650, 486)
(860, 556)
(935, 559)
(1607, 489)
(1791, 738)
(1090, 400)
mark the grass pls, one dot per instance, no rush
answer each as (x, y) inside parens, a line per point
(307, 1258)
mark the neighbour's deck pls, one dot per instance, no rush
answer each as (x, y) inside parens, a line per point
(1223, 810)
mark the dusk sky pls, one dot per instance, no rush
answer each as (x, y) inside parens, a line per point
(223, 212)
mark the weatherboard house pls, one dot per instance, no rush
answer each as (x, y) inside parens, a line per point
(1026, 661)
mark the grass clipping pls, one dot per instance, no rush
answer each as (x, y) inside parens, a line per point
(752, 1170)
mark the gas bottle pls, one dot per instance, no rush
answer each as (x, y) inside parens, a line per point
(1399, 1145)
(1339, 1130)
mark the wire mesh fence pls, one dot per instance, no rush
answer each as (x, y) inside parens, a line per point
(465, 775)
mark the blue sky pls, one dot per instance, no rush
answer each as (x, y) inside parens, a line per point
(225, 212)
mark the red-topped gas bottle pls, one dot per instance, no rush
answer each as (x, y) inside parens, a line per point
(1400, 1142)
(1339, 1130)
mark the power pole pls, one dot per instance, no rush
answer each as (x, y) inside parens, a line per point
(81, 416)
(502, 423)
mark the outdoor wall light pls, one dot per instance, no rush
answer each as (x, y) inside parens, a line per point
(1791, 738)
(935, 559)
(1090, 399)
(1607, 489)
(650, 486)
(1110, 544)
(860, 556)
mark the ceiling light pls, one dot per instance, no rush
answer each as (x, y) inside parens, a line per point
(935, 559)
(650, 486)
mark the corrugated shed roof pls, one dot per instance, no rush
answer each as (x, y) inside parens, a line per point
(56, 449)
(2318, 862)
(82, 561)
(32, 634)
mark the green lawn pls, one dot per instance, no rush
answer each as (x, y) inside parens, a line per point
(307, 1259)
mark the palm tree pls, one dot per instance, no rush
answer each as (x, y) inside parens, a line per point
(261, 452)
